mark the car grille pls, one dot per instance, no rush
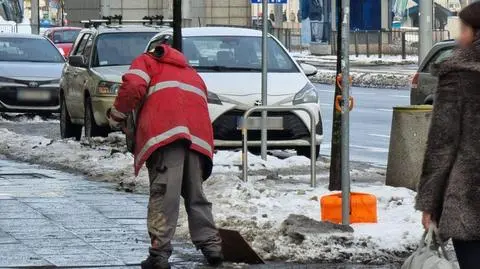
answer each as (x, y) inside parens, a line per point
(8, 95)
(225, 127)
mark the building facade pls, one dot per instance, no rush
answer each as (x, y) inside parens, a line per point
(195, 12)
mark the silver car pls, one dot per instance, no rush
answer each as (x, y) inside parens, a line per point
(30, 71)
(424, 83)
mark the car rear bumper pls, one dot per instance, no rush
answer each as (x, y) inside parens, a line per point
(44, 99)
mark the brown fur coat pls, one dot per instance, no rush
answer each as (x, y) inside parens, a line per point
(450, 184)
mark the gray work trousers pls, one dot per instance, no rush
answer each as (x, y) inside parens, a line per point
(176, 170)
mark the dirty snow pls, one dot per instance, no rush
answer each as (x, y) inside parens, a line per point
(367, 79)
(360, 60)
(27, 118)
(256, 208)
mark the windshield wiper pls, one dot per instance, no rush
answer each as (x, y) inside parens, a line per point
(221, 68)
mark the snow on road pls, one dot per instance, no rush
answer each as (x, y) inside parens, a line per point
(256, 208)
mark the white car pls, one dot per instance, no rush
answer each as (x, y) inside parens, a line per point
(229, 61)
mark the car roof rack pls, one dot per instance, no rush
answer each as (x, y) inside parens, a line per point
(117, 21)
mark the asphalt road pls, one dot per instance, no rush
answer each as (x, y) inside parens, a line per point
(370, 122)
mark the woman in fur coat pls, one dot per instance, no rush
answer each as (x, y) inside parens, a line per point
(449, 190)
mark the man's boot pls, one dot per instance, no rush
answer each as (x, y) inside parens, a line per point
(214, 258)
(155, 263)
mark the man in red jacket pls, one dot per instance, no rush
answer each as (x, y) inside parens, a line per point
(174, 137)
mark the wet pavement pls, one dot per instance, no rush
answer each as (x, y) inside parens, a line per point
(52, 219)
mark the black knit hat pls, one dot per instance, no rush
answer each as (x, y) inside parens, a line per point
(471, 15)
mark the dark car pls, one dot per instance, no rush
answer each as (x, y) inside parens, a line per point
(424, 83)
(30, 71)
(63, 38)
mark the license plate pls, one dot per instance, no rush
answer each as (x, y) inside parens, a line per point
(255, 123)
(33, 95)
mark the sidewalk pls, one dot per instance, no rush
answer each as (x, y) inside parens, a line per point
(53, 219)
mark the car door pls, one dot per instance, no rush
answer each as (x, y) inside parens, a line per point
(427, 82)
(82, 76)
(74, 92)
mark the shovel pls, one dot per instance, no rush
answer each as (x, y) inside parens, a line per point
(236, 249)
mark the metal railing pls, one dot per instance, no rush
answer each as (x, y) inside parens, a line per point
(313, 140)
(386, 42)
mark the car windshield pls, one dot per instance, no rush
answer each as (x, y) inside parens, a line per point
(235, 54)
(65, 36)
(120, 48)
(15, 49)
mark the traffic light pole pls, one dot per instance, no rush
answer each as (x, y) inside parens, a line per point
(335, 183)
(177, 24)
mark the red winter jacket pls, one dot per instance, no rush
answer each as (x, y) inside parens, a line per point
(174, 105)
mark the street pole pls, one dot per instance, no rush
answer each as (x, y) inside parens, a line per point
(177, 24)
(264, 77)
(346, 112)
(335, 182)
(35, 16)
(425, 31)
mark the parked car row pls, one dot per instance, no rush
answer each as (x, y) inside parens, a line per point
(228, 59)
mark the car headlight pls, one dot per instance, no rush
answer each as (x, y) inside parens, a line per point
(213, 99)
(308, 94)
(109, 88)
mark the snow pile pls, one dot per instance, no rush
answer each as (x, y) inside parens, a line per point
(27, 118)
(361, 60)
(366, 79)
(256, 208)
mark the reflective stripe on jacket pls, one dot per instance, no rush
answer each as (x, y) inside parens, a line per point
(174, 105)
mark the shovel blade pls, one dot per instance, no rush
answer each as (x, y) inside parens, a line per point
(236, 249)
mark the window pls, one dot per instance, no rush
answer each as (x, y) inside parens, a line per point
(438, 58)
(235, 54)
(87, 52)
(120, 48)
(67, 36)
(15, 49)
(82, 44)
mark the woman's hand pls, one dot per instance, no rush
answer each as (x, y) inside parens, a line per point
(426, 220)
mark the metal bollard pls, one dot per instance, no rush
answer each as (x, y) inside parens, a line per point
(355, 36)
(368, 44)
(380, 43)
(408, 140)
(404, 45)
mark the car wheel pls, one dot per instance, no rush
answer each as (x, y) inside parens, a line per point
(91, 127)
(67, 128)
(305, 151)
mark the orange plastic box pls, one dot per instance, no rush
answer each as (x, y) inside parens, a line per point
(363, 208)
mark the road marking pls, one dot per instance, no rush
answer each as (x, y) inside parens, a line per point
(384, 109)
(329, 91)
(371, 149)
(399, 96)
(379, 135)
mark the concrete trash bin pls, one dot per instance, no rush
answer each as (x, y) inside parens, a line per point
(408, 141)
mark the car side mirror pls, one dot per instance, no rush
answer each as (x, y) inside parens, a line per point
(308, 69)
(77, 61)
